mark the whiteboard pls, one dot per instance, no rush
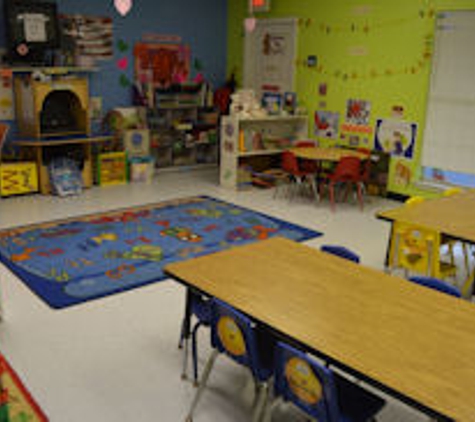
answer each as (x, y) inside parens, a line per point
(449, 135)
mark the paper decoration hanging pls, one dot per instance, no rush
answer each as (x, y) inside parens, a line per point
(250, 24)
(124, 81)
(123, 6)
(122, 63)
(395, 137)
(122, 46)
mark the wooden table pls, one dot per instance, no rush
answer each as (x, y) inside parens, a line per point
(40, 144)
(452, 216)
(326, 154)
(413, 342)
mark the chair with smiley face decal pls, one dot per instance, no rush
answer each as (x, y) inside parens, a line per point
(317, 391)
(238, 337)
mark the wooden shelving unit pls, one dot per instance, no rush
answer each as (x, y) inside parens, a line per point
(179, 136)
(255, 142)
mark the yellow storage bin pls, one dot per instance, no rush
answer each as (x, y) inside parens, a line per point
(18, 178)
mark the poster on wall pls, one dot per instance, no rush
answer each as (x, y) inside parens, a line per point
(90, 37)
(6, 96)
(326, 124)
(358, 112)
(395, 137)
(402, 173)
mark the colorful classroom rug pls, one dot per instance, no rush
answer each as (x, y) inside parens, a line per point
(16, 402)
(75, 260)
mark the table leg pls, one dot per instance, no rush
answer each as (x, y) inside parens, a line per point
(186, 333)
(388, 248)
(87, 166)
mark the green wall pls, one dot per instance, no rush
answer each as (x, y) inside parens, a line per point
(374, 50)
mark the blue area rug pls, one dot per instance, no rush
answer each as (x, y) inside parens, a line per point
(72, 261)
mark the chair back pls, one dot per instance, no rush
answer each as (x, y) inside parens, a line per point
(348, 169)
(342, 252)
(290, 162)
(366, 165)
(306, 383)
(235, 335)
(452, 191)
(305, 144)
(436, 284)
(414, 248)
(413, 200)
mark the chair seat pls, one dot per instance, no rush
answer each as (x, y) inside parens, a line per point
(356, 404)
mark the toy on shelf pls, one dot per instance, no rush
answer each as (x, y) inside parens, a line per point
(18, 178)
(65, 176)
(245, 104)
(137, 143)
(141, 169)
(112, 168)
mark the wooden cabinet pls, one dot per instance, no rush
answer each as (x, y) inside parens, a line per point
(255, 144)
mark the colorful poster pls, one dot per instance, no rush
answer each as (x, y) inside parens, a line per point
(358, 112)
(91, 36)
(395, 137)
(6, 96)
(326, 124)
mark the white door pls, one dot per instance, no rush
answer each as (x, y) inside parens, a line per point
(269, 56)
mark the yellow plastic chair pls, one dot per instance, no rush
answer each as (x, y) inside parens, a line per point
(413, 200)
(416, 250)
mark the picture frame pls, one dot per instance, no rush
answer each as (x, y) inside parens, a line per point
(256, 6)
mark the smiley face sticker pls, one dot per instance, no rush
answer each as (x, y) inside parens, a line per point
(231, 336)
(302, 381)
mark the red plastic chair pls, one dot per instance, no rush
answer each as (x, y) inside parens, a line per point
(365, 167)
(297, 175)
(348, 172)
(307, 165)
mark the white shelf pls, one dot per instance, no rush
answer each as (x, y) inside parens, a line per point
(272, 118)
(238, 136)
(59, 70)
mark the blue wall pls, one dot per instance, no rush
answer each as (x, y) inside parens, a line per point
(201, 24)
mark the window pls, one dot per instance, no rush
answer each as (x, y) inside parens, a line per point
(449, 138)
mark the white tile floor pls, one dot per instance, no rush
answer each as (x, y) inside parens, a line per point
(116, 359)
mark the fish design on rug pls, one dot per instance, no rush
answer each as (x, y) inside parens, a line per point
(248, 233)
(182, 233)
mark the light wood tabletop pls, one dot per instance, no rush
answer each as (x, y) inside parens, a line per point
(450, 215)
(326, 154)
(417, 343)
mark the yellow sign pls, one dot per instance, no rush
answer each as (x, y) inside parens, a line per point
(302, 381)
(231, 336)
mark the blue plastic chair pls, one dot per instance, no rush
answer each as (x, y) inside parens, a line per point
(341, 251)
(200, 308)
(236, 336)
(436, 284)
(318, 391)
